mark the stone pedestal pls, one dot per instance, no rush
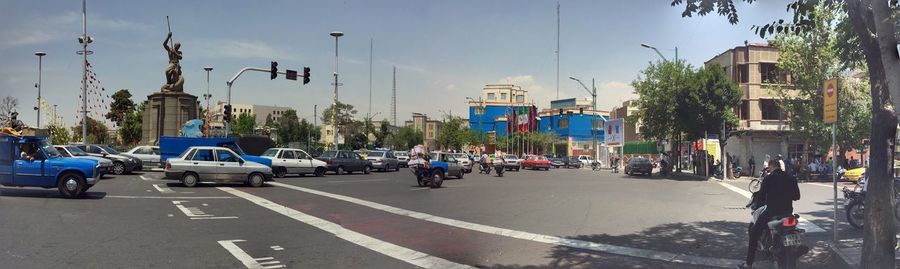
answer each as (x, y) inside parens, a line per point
(165, 113)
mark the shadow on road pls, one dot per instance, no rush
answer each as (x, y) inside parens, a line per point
(46, 193)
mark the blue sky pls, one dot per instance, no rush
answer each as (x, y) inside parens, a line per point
(443, 50)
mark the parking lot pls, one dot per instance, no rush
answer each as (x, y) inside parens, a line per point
(570, 218)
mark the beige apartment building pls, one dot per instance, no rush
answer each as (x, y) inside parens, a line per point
(429, 128)
(632, 131)
(763, 128)
(259, 111)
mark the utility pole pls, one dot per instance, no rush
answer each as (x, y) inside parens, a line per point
(394, 98)
(207, 96)
(315, 123)
(40, 55)
(557, 50)
(334, 108)
(371, 52)
(85, 39)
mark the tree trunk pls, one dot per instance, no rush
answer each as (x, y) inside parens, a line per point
(887, 47)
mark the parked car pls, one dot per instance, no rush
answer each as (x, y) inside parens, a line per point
(383, 160)
(30, 161)
(149, 155)
(512, 162)
(215, 164)
(854, 174)
(586, 160)
(171, 146)
(536, 162)
(639, 165)
(402, 158)
(122, 163)
(557, 162)
(572, 162)
(464, 161)
(345, 161)
(75, 152)
(294, 161)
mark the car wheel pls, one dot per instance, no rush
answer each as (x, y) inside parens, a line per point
(367, 170)
(255, 180)
(437, 179)
(189, 179)
(320, 171)
(461, 174)
(118, 168)
(280, 172)
(339, 170)
(71, 185)
(517, 169)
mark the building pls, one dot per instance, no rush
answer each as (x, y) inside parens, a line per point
(489, 114)
(428, 127)
(632, 131)
(259, 111)
(763, 128)
(576, 125)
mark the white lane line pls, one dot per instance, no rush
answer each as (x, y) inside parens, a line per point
(145, 178)
(167, 197)
(230, 217)
(163, 189)
(239, 253)
(270, 262)
(397, 252)
(358, 180)
(803, 223)
(547, 239)
(264, 259)
(274, 266)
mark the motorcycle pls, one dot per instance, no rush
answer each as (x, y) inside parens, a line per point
(498, 167)
(484, 168)
(664, 168)
(781, 241)
(425, 177)
(595, 165)
(855, 205)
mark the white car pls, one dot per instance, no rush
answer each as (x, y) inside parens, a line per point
(586, 160)
(148, 154)
(294, 161)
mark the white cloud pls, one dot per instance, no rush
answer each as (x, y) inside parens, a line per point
(451, 87)
(44, 29)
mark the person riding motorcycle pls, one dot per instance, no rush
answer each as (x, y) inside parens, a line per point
(777, 193)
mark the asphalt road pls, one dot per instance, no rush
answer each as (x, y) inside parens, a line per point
(561, 218)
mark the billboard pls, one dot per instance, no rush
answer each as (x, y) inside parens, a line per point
(615, 132)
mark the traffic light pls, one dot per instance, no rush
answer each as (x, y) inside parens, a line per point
(305, 75)
(227, 117)
(274, 72)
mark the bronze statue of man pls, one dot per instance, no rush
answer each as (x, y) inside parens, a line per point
(174, 79)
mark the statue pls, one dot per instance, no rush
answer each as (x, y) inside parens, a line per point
(174, 78)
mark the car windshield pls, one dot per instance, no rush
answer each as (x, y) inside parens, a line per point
(108, 149)
(75, 151)
(376, 154)
(510, 157)
(49, 149)
(270, 153)
(329, 154)
(640, 160)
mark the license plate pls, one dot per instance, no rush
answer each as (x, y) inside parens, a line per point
(792, 240)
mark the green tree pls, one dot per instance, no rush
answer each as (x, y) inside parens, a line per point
(874, 36)
(289, 128)
(270, 122)
(244, 124)
(657, 89)
(59, 135)
(451, 134)
(345, 113)
(407, 138)
(713, 99)
(97, 132)
(130, 130)
(120, 107)
(383, 133)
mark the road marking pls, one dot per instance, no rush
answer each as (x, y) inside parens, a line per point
(804, 224)
(394, 251)
(145, 178)
(195, 213)
(540, 238)
(166, 197)
(163, 189)
(229, 217)
(263, 259)
(277, 248)
(242, 256)
(358, 180)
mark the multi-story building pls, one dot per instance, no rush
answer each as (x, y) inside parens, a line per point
(576, 125)
(260, 112)
(631, 132)
(763, 128)
(428, 127)
(326, 135)
(497, 102)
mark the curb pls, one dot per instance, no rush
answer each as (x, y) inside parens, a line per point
(842, 258)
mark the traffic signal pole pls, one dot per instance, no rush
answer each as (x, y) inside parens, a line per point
(231, 82)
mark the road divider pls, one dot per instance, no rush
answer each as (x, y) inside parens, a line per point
(540, 238)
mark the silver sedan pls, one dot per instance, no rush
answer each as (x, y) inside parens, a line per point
(215, 164)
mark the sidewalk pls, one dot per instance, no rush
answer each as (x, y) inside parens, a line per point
(849, 252)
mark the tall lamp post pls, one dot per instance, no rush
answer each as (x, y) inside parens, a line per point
(207, 96)
(480, 103)
(84, 39)
(593, 93)
(678, 160)
(40, 55)
(334, 108)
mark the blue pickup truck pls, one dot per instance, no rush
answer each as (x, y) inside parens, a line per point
(172, 146)
(441, 165)
(31, 161)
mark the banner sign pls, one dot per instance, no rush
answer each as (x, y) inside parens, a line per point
(829, 104)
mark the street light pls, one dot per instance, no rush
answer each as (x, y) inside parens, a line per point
(334, 108)
(40, 55)
(678, 162)
(207, 96)
(593, 93)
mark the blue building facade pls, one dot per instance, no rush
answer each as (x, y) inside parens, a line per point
(493, 119)
(574, 127)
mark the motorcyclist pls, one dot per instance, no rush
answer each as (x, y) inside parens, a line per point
(485, 160)
(777, 193)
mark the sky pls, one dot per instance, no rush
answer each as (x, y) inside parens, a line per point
(444, 51)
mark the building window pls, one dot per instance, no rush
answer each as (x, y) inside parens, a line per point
(745, 110)
(743, 73)
(520, 98)
(492, 96)
(770, 110)
(503, 96)
(771, 74)
(479, 110)
(563, 123)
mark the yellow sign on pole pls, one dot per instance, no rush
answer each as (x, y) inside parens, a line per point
(830, 102)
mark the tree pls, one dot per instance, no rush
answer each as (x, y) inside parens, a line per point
(451, 134)
(875, 38)
(245, 124)
(271, 123)
(97, 132)
(130, 129)
(7, 106)
(288, 127)
(356, 141)
(59, 135)
(345, 112)
(407, 138)
(120, 106)
(657, 89)
(383, 133)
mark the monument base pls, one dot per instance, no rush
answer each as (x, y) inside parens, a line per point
(165, 113)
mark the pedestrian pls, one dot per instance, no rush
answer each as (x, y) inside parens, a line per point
(752, 166)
